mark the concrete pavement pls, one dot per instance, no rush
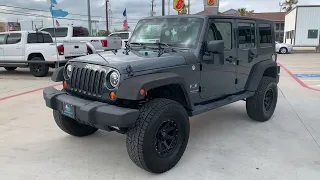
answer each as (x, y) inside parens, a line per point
(224, 143)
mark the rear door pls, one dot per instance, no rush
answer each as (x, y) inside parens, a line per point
(247, 50)
(13, 48)
(2, 40)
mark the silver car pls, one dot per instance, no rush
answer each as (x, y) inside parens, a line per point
(283, 48)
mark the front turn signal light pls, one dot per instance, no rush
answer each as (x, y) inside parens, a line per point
(112, 95)
(64, 84)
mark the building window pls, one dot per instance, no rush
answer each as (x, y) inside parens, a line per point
(312, 34)
(277, 26)
(265, 31)
(292, 34)
(246, 35)
(282, 26)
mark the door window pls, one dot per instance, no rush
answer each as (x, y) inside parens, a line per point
(14, 38)
(221, 31)
(246, 35)
(2, 38)
(58, 32)
(265, 32)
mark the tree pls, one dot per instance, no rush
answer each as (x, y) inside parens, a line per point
(102, 33)
(289, 4)
(244, 12)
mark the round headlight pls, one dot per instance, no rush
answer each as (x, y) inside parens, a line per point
(114, 79)
(69, 70)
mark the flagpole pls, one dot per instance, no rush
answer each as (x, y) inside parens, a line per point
(55, 41)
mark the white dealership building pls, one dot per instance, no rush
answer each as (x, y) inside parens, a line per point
(302, 26)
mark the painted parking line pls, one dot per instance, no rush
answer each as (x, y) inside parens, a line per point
(307, 75)
(297, 79)
(27, 92)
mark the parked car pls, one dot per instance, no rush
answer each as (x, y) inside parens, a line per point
(125, 36)
(81, 34)
(150, 90)
(36, 50)
(283, 48)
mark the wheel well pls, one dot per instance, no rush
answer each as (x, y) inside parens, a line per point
(271, 72)
(172, 91)
(35, 55)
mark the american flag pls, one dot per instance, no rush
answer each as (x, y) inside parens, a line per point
(125, 22)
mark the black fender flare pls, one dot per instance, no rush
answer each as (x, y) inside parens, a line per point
(130, 88)
(57, 75)
(257, 72)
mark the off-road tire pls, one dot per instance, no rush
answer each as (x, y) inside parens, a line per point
(10, 68)
(283, 50)
(142, 141)
(38, 70)
(255, 105)
(71, 126)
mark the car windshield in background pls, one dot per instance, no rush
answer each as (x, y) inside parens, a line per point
(60, 32)
(178, 32)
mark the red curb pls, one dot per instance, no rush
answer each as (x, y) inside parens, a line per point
(297, 79)
(27, 92)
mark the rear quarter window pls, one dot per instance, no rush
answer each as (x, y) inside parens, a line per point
(265, 35)
(2, 38)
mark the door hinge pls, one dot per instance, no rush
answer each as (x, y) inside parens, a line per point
(200, 67)
(237, 62)
(236, 81)
(199, 88)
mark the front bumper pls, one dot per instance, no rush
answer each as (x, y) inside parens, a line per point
(97, 114)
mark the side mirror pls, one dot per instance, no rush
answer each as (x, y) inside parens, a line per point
(216, 47)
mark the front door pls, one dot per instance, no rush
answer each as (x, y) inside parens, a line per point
(218, 75)
(13, 48)
(247, 50)
(2, 39)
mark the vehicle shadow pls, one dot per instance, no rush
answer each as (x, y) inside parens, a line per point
(21, 72)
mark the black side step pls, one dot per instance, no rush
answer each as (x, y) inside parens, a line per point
(216, 104)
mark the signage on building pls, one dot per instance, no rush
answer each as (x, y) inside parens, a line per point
(210, 2)
(178, 5)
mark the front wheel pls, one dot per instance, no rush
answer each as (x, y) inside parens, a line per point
(160, 136)
(283, 50)
(262, 105)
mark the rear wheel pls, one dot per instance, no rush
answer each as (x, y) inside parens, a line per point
(262, 105)
(38, 69)
(10, 68)
(283, 50)
(71, 126)
(160, 136)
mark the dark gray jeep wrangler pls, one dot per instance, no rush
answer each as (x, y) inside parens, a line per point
(173, 68)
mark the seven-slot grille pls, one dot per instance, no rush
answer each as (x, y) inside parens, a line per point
(87, 81)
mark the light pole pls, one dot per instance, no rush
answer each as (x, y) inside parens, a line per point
(89, 17)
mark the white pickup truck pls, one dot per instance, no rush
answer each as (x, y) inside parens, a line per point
(36, 50)
(81, 34)
(124, 35)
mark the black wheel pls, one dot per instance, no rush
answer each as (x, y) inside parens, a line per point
(71, 126)
(10, 68)
(38, 69)
(283, 50)
(262, 105)
(160, 136)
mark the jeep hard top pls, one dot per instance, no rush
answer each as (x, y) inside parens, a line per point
(173, 68)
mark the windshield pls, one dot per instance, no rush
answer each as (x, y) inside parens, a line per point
(60, 32)
(178, 32)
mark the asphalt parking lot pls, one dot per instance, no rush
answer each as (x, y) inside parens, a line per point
(224, 143)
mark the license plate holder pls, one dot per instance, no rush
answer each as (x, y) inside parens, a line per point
(68, 110)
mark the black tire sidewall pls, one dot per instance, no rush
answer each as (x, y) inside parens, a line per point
(44, 68)
(152, 160)
(273, 86)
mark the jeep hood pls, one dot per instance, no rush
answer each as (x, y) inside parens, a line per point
(138, 60)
